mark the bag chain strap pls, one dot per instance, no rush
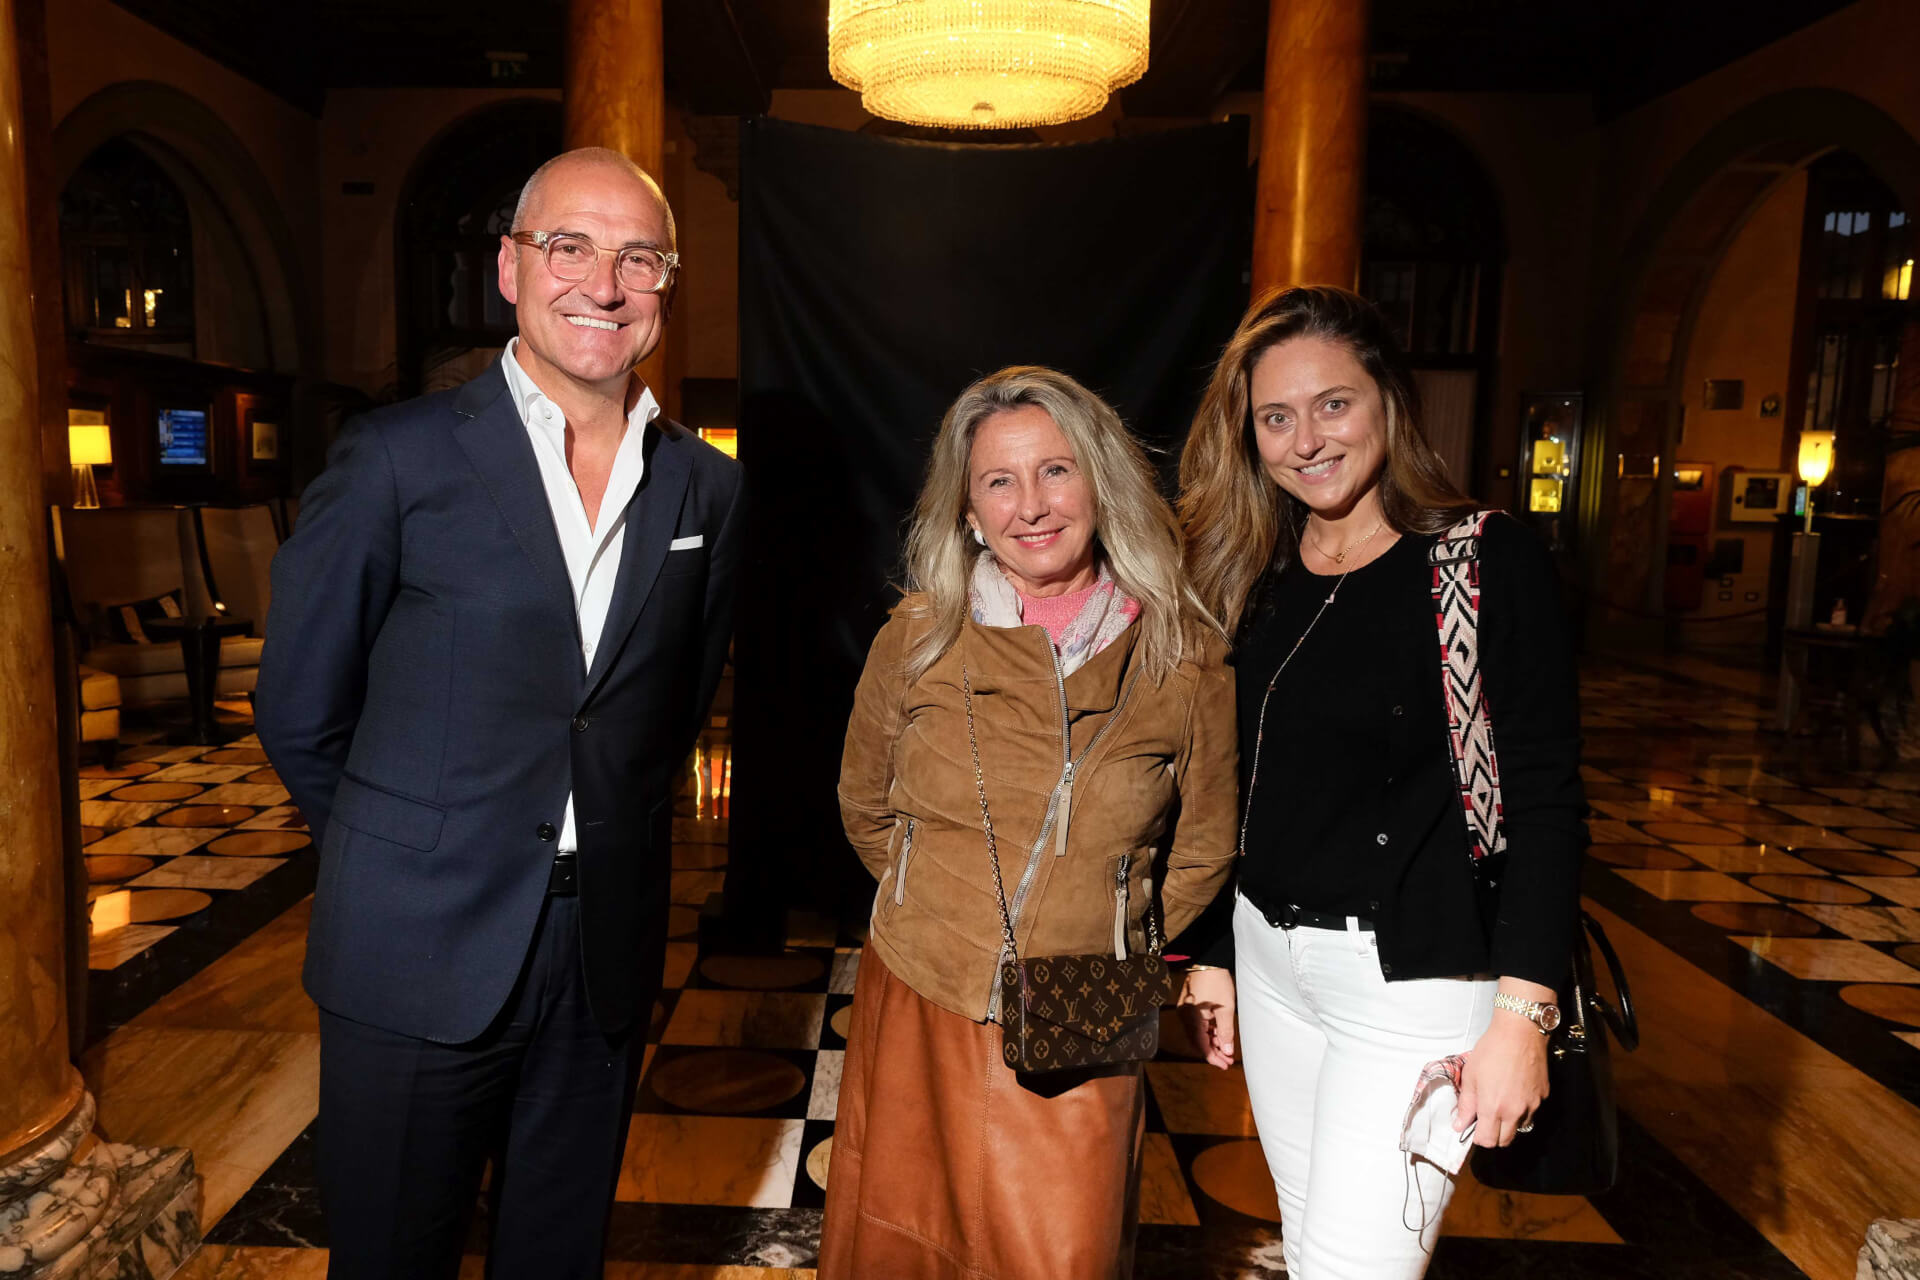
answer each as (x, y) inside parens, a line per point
(1154, 942)
(986, 818)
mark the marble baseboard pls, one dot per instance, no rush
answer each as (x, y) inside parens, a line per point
(149, 1224)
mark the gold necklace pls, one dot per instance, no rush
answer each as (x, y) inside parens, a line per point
(1341, 556)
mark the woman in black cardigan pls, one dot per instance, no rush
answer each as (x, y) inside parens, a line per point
(1367, 937)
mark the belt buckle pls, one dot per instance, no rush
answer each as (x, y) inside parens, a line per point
(563, 881)
(1285, 916)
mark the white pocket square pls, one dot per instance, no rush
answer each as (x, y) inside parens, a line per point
(688, 544)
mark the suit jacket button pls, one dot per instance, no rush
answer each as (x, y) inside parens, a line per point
(580, 724)
(1381, 838)
(1399, 711)
(545, 831)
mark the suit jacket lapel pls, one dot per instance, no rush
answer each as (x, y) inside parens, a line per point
(652, 514)
(495, 441)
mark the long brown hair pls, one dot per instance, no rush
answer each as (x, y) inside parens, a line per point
(1238, 524)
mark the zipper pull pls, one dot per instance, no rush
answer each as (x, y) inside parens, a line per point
(1064, 811)
(1120, 906)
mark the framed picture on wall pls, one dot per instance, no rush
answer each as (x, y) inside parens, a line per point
(265, 441)
(1758, 496)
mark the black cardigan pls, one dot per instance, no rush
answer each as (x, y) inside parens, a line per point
(1435, 915)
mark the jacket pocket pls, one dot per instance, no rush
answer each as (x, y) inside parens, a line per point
(387, 815)
(900, 869)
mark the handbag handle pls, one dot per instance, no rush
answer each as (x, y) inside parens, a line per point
(1617, 1014)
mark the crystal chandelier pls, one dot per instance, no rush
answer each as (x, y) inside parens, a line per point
(986, 64)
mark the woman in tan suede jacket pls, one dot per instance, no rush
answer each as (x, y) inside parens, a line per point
(1045, 575)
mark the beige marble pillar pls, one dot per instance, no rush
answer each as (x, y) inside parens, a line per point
(1313, 143)
(42, 1086)
(69, 1204)
(615, 95)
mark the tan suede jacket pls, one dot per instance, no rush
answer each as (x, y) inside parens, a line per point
(1154, 785)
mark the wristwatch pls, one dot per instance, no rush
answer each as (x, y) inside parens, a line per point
(1544, 1016)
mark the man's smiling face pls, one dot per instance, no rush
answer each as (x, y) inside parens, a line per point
(596, 330)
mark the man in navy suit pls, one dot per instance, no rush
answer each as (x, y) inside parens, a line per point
(493, 639)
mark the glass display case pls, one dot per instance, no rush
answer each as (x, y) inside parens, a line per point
(1550, 426)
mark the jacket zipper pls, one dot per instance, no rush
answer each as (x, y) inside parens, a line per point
(1120, 906)
(900, 876)
(1058, 805)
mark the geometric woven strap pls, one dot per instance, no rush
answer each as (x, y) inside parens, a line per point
(1455, 560)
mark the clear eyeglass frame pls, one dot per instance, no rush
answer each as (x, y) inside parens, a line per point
(638, 267)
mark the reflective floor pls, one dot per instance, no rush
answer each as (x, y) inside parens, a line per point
(1766, 904)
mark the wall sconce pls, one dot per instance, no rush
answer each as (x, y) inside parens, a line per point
(91, 446)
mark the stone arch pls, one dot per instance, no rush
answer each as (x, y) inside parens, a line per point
(226, 191)
(1646, 325)
(456, 162)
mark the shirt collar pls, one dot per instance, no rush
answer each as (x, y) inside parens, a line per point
(543, 415)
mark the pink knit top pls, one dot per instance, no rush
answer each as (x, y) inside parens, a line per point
(1055, 613)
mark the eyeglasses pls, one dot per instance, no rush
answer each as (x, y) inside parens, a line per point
(574, 258)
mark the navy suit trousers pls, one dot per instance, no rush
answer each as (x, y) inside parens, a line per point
(408, 1125)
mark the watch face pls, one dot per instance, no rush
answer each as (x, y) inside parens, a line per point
(1549, 1016)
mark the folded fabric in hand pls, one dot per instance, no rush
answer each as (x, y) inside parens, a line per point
(1428, 1132)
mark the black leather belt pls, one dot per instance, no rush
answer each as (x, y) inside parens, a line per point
(1288, 916)
(564, 880)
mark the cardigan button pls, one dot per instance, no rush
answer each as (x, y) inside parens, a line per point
(1374, 905)
(1381, 838)
(1385, 967)
(1399, 711)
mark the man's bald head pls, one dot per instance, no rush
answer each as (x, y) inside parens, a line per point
(582, 158)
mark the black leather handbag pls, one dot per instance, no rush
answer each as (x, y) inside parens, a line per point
(1573, 1144)
(1573, 1148)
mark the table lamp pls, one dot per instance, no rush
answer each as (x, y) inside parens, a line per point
(1816, 464)
(91, 446)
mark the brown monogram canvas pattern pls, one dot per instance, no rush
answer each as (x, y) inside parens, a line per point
(1062, 1012)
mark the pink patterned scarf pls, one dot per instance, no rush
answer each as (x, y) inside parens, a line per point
(1107, 613)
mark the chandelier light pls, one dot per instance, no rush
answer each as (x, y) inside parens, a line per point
(986, 64)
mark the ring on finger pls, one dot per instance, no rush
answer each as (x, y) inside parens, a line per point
(1526, 1127)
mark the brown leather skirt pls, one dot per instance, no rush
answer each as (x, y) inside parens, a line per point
(948, 1164)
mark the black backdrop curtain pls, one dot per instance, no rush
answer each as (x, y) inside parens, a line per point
(877, 278)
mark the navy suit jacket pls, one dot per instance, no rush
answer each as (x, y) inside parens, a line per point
(423, 696)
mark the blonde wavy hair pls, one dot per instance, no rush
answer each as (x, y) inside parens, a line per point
(1134, 527)
(1239, 524)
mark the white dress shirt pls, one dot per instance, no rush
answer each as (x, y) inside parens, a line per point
(592, 554)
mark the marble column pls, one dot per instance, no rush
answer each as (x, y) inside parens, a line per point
(615, 96)
(1313, 139)
(69, 1203)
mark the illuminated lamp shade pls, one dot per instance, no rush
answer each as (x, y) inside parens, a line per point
(1816, 457)
(90, 445)
(986, 64)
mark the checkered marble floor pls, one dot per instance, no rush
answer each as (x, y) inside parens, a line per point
(1728, 861)
(1762, 859)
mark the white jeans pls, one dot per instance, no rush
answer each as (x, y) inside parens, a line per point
(1333, 1052)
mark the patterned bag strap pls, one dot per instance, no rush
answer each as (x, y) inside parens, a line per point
(1456, 612)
